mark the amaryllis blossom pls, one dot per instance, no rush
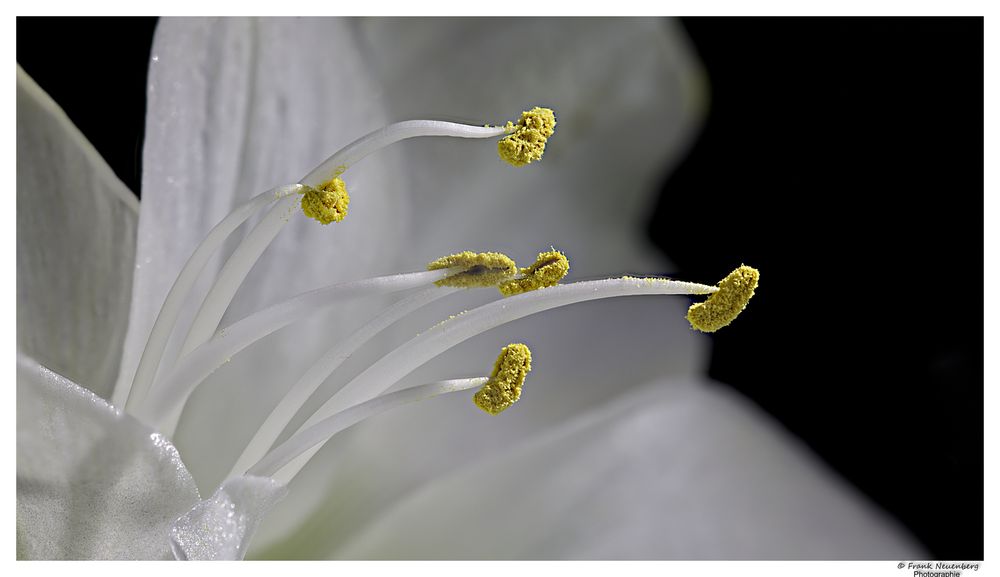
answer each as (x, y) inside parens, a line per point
(619, 447)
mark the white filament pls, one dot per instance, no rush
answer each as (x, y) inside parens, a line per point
(249, 250)
(175, 387)
(307, 384)
(130, 394)
(362, 147)
(234, 273)
(400, 362)
(322, 431)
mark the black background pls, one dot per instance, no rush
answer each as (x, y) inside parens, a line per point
(843, 158)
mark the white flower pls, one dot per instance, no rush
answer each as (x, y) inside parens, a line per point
(621, 449)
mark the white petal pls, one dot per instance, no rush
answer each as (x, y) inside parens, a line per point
(678, 470)
(237, 106)
(76, 225)
(626, 95)
(307, 89)
(220, 528)
(92, 483)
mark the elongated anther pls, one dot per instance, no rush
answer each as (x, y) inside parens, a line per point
(482, 269)
(504, 387)
(549, 268)
(725, 305)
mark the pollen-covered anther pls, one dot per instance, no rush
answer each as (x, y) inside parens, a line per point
(526, 142)
(480, 269)
(725, 305)
(327, 203)
(504, 387)
(550, 267)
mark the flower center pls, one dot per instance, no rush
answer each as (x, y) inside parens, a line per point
(130, 391)
(157, 395)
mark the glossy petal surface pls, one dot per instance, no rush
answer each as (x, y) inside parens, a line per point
(92, 483)
(76, 226)
(221, 527)
(675, 470)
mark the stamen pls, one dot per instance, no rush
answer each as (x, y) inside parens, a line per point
(549, 268)
(725, 305)
(327, 203)
(317, 434)
(235, 270)
(484, 269)
(176, 386)
(526, 142)
(388, 370)
(378, 139)
(447, 334)
(504, 387)
(129, 394)
(309, 382)
(471, 265)
(233, 273)
(509, 372)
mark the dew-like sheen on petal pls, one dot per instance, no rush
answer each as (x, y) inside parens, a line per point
(221, 527)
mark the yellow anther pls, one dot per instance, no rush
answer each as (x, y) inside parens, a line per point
(526, 141)
(483, 269)
(548, 270)
(722, 307)
(328, 202)
(504, 387)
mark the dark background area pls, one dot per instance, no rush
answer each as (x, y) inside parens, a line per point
(99, 80)
(842, 157)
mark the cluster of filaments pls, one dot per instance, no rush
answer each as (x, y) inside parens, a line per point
(164, 380)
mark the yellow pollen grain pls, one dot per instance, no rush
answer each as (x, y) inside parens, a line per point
(482, 269)
(648, 280)
(503, 389)
(526, 142)
(327, 203)
(725, 305)
(550, 267)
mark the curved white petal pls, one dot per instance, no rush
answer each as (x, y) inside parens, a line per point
(76, 225)
(676, 470)
(237, 106)
(221, 527)
(628, 97)
(626, 93)
(92, 482)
